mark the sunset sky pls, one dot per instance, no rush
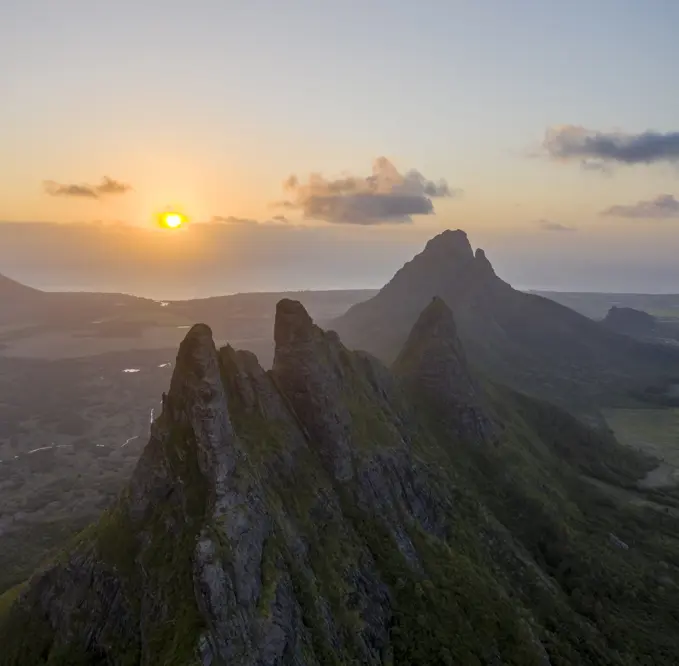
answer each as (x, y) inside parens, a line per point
(548, 130)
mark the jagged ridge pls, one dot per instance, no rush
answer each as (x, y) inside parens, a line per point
(317, 514)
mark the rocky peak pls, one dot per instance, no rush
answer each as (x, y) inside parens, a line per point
(308, 369)
(483, 265)
(292, 518)
(196, 364)
(434, 365)
(450, 244)
(293, 323)
(197, 398)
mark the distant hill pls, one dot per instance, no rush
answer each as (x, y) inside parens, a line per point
(631, 322)
(11, 289)
(643, 326)
(46, 324)
(524, 340)
(17, 300)
(596, 304)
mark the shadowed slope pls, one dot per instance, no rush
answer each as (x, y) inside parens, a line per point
(526, 341)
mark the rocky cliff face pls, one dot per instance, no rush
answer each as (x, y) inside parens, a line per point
(332, 511)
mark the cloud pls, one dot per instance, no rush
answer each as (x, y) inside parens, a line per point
(597, 149)
(549, 225)
(386, 196)
(230, 219)
(246, 221)
(595, 165)
(106, 187)
(284, 203)
(111, 186)
(663, 207)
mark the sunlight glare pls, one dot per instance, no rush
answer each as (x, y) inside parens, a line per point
(172, 220)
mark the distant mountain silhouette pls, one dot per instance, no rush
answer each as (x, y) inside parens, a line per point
(526, 341)
(642, 325)
(630, 321)
(18, 301)
(12, 289)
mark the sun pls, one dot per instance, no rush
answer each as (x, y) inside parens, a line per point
(172, 220)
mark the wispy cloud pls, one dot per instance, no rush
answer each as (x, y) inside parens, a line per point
(107, 186)
(550, 225)
(230, 219)
(663, 207)
(246, 221)
(596, 150)
(387, 196)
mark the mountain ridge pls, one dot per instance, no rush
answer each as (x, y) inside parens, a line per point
(316, 514)
(526, 341)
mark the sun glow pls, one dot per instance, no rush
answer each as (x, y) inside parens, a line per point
(172, 220)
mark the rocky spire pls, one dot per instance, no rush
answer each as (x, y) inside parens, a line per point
(197, 398)
(433, 364)
(483, 265)
(293, 324)
(308, 369)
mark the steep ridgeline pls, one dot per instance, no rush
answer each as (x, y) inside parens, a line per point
(334, 512)
(526, 341)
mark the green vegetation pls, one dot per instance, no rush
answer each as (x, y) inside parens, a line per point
(152, 563)
(655, 431)
(8, 598)
(426, 549)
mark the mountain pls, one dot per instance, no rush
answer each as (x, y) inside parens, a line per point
(44, 324)
(643, 326)
(526, 341)
(595, 305)
(334, 511)
(16, 299)
(629, 321)
(11, 289)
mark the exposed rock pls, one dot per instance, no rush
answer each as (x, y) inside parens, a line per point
(312, 515)
(434, 365)
(617, 542)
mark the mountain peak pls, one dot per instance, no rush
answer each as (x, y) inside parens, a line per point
(196, 393)
(433, 363)
(451, 243)
(197, 357)
(292, 323)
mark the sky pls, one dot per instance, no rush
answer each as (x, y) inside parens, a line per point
(317, 144)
